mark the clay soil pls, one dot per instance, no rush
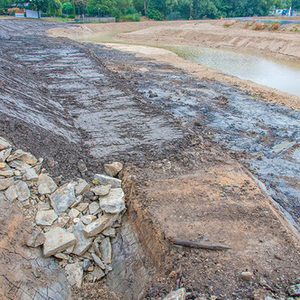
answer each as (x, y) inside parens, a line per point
(78, 103)
(282, 44)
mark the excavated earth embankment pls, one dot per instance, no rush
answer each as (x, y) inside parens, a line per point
(187, 146)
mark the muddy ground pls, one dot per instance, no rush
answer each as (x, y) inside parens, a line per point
(136, 37)
(188, 146)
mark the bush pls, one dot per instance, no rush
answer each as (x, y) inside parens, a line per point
(275, 26)
(155, 14)
(131, 17)
(259, 26)
(175, 15)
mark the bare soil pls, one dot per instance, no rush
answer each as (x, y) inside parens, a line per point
(74, 102)
(282, 44)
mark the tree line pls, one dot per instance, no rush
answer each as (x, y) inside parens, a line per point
(132, 10)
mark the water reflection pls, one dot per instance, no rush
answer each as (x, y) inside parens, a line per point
(258, 69)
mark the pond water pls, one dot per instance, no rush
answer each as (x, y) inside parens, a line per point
(284, 77)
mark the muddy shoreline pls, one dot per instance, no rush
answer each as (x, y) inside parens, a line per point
(140, 38)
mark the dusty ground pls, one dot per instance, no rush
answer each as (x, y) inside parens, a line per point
(282, 44)
(181, 140)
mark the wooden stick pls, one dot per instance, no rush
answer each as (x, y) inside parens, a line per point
(199, 244)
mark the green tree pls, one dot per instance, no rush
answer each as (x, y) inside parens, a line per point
(54, 8)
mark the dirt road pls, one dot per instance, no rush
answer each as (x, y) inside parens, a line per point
(185, 143)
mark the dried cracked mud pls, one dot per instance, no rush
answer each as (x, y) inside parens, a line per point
(197, 153)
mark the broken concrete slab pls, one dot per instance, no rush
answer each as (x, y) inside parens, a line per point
(45, 217)
(105, 180)
(46, 184)
(57, 240)
(113, 169)
(63, 197)
(82, 243)
(113, 203)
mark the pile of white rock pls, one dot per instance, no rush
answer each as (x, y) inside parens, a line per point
(74, 222)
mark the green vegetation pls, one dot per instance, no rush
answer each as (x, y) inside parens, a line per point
(132, 10)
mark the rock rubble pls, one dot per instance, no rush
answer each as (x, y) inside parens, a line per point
(74, 222)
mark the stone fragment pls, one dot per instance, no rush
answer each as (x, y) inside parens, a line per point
(97, 274)
(87, 219)
(69, 250)
(113, 203)
(113, 169)
(5, 183)
(4, 154)
(19, 165)
(110, 232)
(82, 243)
(246, 276)
(23, 156)
(81, 187)
(94, 208)
(101, 190)
(22, 189)
(57, 240)
(76, 220)
(62, 221)
(86, 264)
(2, 165)
(35, 239)
(82, 206)
(4, 143)
(81, 166)
(43, 206)
(98, 226)
(11, 193)
(294, 290)
(98, 261)
(96, 248)
(73, 213)
(63, 197)
(74, 274)
(45, 217)
(89, 195)
(2, 197)
(106, 251)
(105, 180)
(30, 174)
(62, 256)
(6, 173)
(45, 184)
(176, 295)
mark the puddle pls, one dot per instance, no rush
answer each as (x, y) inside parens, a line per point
(258, 69)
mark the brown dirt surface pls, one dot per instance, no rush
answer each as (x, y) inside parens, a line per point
(69, 102)
(218, 201)
(282, 44)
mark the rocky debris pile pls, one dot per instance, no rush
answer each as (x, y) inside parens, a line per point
(74, 222)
